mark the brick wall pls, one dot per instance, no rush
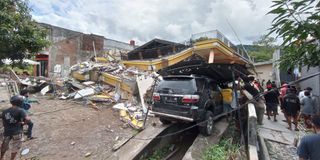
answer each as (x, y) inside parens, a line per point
(87, 44)
(67, 48)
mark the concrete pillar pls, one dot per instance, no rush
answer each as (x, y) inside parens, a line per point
(211, 56)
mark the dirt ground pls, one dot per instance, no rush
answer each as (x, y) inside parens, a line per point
(60, 123)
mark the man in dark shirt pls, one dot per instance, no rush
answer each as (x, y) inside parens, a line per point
(13, 119)
(291, 104)
(272, 101)
(309, 145)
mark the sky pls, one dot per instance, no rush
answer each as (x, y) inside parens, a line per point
(143, 20)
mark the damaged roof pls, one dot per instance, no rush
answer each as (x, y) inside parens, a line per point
(153, 48)
(218, 72)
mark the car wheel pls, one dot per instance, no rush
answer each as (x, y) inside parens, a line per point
(207, 128)
(164, 121)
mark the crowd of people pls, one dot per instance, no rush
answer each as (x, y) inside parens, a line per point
(296, 106)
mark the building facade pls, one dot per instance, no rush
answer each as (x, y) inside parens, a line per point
(265, 71)
(70, 47)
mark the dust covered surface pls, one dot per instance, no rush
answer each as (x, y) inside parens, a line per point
(70, 130)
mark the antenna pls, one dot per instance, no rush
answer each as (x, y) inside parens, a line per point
(235, 33)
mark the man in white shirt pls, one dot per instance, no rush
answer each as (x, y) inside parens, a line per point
(301, 93)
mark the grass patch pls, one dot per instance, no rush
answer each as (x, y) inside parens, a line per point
(160, 153)
(228, 148)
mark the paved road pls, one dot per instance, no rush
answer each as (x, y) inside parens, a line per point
(279, 139)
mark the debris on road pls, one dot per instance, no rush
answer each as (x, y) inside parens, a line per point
(92, 82)
(88, 154)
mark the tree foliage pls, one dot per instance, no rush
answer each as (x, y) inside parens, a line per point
(298, 24)
(19, 34)
(262, 49)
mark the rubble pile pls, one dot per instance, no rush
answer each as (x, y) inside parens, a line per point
(96, 83)
(111, 84)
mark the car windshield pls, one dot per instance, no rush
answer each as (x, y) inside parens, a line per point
(177, 86)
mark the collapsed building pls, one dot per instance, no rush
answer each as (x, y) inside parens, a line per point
(70, 47)
(94, 69)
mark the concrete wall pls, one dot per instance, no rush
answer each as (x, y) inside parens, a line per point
(280, 75)
(70, 47)
(314, 82)
(265, 72)
(116, 48)
(87, 42)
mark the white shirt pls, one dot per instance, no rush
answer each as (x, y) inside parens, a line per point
(301, 95)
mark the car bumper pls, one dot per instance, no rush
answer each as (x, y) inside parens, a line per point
(190, 115)
(173, 116)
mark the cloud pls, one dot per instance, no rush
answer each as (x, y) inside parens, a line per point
(144, 20)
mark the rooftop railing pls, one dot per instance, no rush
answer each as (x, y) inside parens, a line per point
(215, 34)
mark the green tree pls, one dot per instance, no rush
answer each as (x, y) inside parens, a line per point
(262, 49)
(298, 24)
(20, 37)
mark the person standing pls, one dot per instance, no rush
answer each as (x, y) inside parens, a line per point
(268, 84)
(272, 101)
(258, 101)
(308, 108)
(263, 83)
(309, 145)
(301, 93)
(13, 119)
(291, 105)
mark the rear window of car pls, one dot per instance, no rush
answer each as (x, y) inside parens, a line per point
(177, 86)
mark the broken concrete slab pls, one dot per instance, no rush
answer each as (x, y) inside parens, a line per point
(144, 83)
(88, 83)
(78, 85)
(84, 92)
(132, 148)
(45, 90)
(120, 106)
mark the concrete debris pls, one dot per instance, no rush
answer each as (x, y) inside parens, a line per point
(88, 154)
(88, 83)
(84, 92)
(102, 81)
(120, 106)
(45, 90)
(135, 120)
(25, 151)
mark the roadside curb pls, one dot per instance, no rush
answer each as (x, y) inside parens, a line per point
(264, 154)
